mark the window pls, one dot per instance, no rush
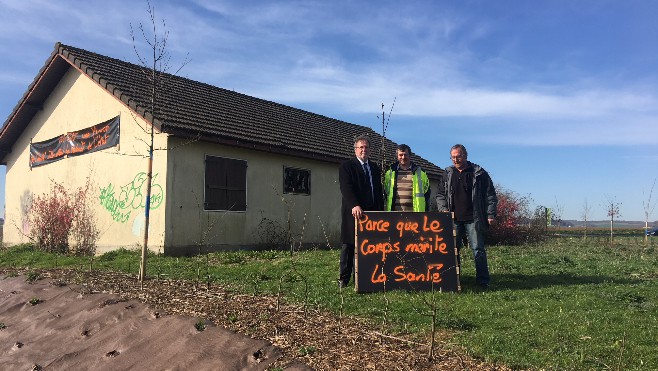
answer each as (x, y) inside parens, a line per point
(226, 184)
(296, 181)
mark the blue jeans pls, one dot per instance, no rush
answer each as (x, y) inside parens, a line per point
(476, 242)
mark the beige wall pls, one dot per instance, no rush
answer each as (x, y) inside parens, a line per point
(77, 103)
(189, 227)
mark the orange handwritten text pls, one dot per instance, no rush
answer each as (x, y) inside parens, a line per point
(379, 248)
(378, 278)
(373, 225)
(403, 227)
(432, 274)
(428, 245)
(434, 226)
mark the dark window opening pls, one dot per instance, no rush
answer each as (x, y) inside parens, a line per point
(297, 181)
(225, 184)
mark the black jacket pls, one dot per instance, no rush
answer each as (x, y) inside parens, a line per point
(353, 185)
(485, 200)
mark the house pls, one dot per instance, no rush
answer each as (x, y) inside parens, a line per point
(228, 170)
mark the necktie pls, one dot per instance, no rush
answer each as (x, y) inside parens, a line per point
(368, 179)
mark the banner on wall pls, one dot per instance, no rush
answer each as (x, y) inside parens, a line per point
(91, 139)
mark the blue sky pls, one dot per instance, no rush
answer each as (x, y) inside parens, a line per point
(557, 99)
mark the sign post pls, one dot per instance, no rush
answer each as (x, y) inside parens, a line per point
(407, 251)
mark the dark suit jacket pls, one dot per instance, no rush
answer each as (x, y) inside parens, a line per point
(353, 185)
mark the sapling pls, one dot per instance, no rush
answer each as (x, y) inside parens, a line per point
(34, 301)
(200, 325)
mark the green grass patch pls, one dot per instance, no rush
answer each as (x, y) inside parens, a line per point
(566, 304)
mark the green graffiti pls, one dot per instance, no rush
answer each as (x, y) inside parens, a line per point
(131, 197)
(114, 206)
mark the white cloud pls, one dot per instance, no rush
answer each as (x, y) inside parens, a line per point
(350, 57)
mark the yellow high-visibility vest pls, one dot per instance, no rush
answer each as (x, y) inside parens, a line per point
(420, 184)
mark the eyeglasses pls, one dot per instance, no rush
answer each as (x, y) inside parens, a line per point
(456, 157)
(361, 147)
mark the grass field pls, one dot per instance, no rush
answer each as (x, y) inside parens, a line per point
(566, 304)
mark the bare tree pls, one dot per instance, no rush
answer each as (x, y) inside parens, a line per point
(648, 210)
(587, 208)
(385, 122)
(154, 68)
(613, 208)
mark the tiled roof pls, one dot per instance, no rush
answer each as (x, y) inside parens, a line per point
(192, 109)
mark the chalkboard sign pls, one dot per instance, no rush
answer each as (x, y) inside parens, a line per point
(405, 250)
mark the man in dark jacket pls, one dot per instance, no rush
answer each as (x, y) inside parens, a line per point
(361, 188)
(470, 194)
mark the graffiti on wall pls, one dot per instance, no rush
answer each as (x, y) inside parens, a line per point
(130, 197)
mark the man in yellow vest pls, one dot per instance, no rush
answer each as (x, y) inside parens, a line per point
(406, 186)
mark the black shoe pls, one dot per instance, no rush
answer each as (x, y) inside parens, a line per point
(342, 285)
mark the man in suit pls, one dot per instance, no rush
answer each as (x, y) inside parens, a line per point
(361, 188)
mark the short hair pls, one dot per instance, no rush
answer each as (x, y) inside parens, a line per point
(461, 148)
(403, 148)
(362, 138)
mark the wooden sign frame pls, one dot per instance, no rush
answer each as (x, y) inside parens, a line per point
(407, 251)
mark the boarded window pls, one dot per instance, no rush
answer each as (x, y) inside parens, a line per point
(226, 184)
(296, 181)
